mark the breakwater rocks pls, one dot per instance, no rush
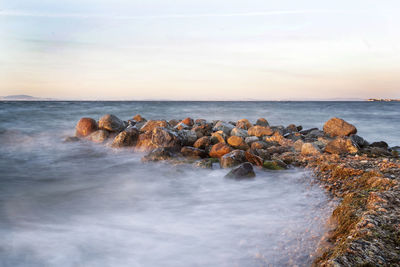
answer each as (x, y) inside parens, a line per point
(364, 176)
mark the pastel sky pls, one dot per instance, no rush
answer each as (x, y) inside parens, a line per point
(200, 50)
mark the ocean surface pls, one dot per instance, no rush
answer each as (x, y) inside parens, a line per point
(83, 204)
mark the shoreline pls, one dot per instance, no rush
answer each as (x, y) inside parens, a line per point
(365, 177)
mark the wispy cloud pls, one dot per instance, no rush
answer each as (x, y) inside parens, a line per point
(12, 13)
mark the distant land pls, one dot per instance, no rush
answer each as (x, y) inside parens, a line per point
(24, 98)
(383, 100)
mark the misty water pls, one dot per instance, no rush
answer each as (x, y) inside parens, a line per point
(83, 204)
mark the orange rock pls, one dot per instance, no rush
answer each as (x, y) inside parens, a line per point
(256, 160)
(238, 142)
(220, 149)
(243, 124)
(138, 118)
(217, 137)
(339, 127)
(202, 142)
(188, 121)
(86, 126)
(151, 124)
(260, 131)
(341, 145)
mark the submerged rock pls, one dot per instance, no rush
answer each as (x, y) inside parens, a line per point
(126, 138)
(158, 154)
(85, 126)
(70, 139)
(338, 127)
(99, 136)
(111, 123)
(232, 159)
(193, 152)
(244, 170)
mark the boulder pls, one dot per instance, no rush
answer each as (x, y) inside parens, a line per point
(204, 164)
(218, 137)
(188, 121)
(202, 130)
(111, 123)
(260, 131)
(310, 149)
(262, 145)
(361, 142)
(262, 153)
(292, 128)
(274, 165)
(193, 152)
(182, 126)
(305, 132)
(237, 142)
(200, 121)
(232, 159)
(219, 149)
(138, 118)
(262, 122)
(187, 137)
(172, 123)
(298, 145)
(202, 142)
(253, 159)
(85, 126)
(251, 139)
(157, 138)
(244, 170)
(70, 139)
(223, 126)
(99, 136)
(279, 149)
(239, 132)
(339, 127)
(158, 154)
(152, 124)
(381, 144)
(126, 138)
(341, 145)
(277, 137)
(243, 124)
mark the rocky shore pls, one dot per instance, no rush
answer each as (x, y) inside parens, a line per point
(363, 176)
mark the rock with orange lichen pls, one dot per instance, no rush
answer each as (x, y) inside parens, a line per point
(339, 127)
(219, 149)
(85, 126)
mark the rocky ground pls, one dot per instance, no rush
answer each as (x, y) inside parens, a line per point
(364, 176)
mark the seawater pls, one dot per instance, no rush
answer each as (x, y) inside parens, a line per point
(83, 204)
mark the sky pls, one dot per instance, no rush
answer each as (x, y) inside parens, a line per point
(200, 50)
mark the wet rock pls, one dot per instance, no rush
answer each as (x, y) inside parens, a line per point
(70, 139)
(99, 136)
(158, 154)
(298, 145)
(218, 137)
(233, 158)
(314, 135)
(244, 170)
(223, 126)
(305, 132)
(138, 118)
(243, 124)
(182, 126)
(237, 142)
(278, 149)
(339, 127)
(292, 128)
(262, 153)
(158, 137)
(219, 149)
(202, 130)
(193, 152)
(277, 137)
(381, 144)
(341, 145)
(260, 131)
(274, 165)
(251, 139)
(204, 164)
(187, 137)
(200, 121)
(111, 123)
(172, 123)
(202, 142)
(152, 124)
(188, 121)
(85, 126)
(310, 149)
(359, 141)
(293, 136)
(239, 132)
(262, 145)
(254, 159)
(126, 138)
(262, 122)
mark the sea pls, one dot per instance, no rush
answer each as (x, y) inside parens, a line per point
(85, 204)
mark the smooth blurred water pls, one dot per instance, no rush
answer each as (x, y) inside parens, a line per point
(83, 204)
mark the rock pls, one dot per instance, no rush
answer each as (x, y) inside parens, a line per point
(204, 164)
(262, 145)
(237, 142)
(244, 170)
(126, 138)
(262, 153)
(158, 137)
(139, 125)
(239, 132)
(339, 127)
(188, 121)
(158, 154)
(200, 121)
(314, 135)
(379, 152)
(85, 126)
(218, 137)
(111, 123)
(292, 128)
(202, 142)
(277, 137)
(274, 165)
(243, 124)
(279, 149)
(70, 139)
(219, 149)
(193, 152)
(262, 122)
(187, 137)
(138, 118)
(260, 131)
(223, 126)
(232, 159)
(99, 136)
(253, 159)
(172, 123)
(182, 126)
(341, 145)
(202, 130)
(381, 144)
(152, 124)
(305, 132)
(298, 145)
(361, 142)
(310, 149)
(251, 139)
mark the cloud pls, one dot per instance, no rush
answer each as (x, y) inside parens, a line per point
(11, 13)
